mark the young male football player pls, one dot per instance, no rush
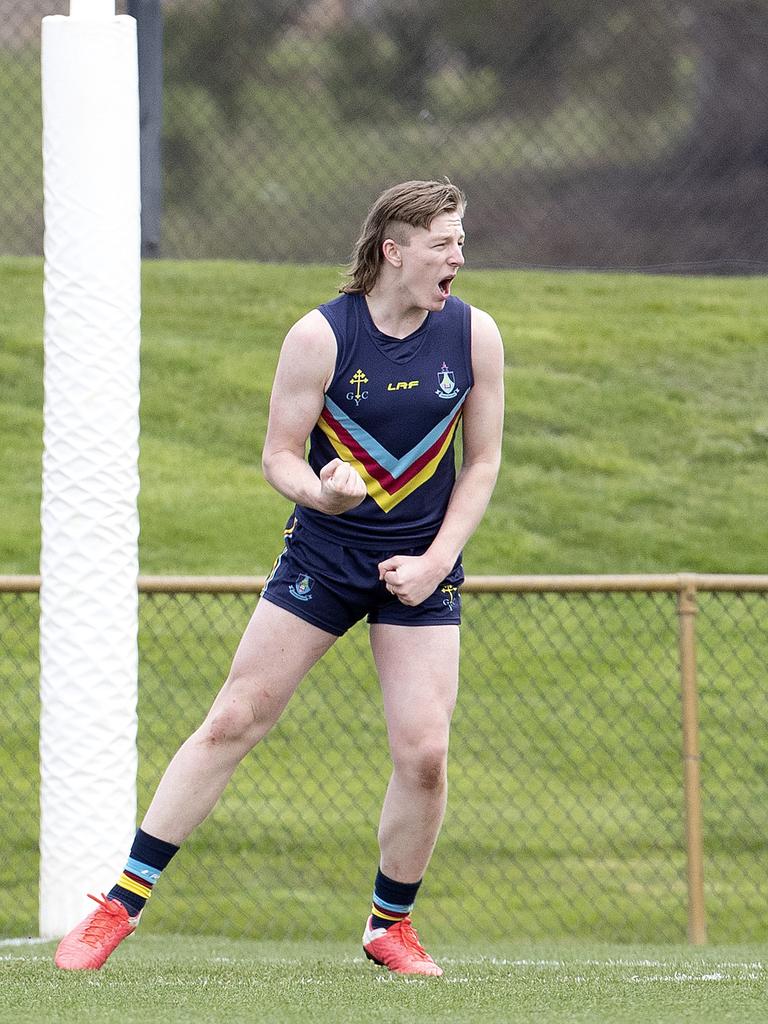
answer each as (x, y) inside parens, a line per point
(378, 381)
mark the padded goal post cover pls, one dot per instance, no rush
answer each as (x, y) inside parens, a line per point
(89, 556)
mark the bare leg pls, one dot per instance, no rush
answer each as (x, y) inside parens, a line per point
(418, 669)
(276, 652)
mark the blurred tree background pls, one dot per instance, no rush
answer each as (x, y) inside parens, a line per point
(586, 134)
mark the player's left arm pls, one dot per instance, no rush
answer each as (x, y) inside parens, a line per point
(414, 579)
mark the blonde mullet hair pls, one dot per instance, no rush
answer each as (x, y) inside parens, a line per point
(413, 204)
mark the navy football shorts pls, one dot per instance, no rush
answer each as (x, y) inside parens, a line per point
(333, 586)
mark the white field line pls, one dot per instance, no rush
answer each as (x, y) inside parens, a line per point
(23, 942)
(661, 972)
(591, 962)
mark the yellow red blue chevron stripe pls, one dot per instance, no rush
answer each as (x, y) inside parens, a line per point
(388, 479)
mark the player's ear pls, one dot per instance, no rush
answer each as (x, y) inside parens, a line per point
(391, 252)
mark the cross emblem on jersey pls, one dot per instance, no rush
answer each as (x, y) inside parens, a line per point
(358, 378)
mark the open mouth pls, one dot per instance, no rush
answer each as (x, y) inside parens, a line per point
(444, 286)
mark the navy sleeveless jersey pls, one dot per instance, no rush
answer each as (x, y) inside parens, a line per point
(392, 411)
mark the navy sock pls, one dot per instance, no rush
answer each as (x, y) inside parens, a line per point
(392, 901)
(147, 859)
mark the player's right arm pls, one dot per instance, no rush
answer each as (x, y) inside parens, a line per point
(304, 371)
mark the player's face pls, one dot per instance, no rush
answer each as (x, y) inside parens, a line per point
(432, 260)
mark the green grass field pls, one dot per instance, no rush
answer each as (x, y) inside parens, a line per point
(636, 433)
(219, 980)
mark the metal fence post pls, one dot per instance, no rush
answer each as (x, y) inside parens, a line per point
(149, 25)
(687, 611)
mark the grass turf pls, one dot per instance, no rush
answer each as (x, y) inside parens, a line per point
(177, 979)
(636, 436)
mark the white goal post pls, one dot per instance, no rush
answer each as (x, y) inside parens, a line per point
(89, 518)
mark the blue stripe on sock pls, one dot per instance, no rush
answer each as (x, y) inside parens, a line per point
(398, 908)
(144, 871)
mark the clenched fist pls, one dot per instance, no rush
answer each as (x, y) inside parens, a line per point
(411, 578)
(341, 487)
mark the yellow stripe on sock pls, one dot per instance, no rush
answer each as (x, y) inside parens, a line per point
(145, 891)
(382, 913)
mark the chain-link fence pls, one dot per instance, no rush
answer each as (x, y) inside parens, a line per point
(566, 814)
(586, 132)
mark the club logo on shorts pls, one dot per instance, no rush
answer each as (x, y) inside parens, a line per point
(447, 381)
(302, 588)
(452, 595)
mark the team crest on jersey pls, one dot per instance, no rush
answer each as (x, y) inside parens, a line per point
(447, 381)
(452, 595)
(357, 380)
(302, 587)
